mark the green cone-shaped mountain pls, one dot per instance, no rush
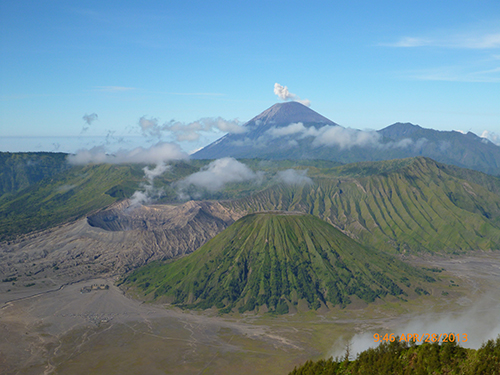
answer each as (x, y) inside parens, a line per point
(276, 259)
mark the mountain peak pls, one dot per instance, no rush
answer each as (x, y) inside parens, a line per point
(274, 259)
(399, 129)
(283, 114)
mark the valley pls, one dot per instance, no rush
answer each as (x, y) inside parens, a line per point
(106, 332)
(202, 266)
(162, 211)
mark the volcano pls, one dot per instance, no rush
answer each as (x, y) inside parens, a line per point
(278, 260)
(293, 131)
(257, 141)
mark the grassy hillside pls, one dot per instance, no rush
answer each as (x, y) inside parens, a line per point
(402, 358)
(402, 205)
(78, 191)
(64, 197)
(278, 260)
(42, 190)
(398, 206)
(20, 170)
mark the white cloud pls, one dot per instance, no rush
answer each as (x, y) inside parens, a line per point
(284, 94)
(464, 41)
(191, 131)
(217, 174)
(114, 88)
(329, 135)
(160, 152)
(345, 137)
(293, 177)
(149, 127)
(295, 128)
(491, 136)
(481, 42)
(455, 74)
(150, 192)
(406, 142)
(409, 42)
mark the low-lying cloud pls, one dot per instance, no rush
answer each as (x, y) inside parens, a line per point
(284, 94)
(216, 175)
(478, 331)
(329, 135)
(491, 136)
(293, 177)
(191, 131)
(158, 153)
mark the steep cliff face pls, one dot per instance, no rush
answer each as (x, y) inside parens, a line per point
(115, 240)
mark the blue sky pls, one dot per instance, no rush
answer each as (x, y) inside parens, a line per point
(363, 64)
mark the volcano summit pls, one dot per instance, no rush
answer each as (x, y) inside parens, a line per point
(291, 130)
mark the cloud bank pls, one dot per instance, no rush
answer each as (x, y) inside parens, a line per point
(158, 153)
(329, 135)
(191, 131)
(215, 176)
(293, 177)
(284, 94)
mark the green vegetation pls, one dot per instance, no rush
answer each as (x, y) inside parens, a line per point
(20, 170)
(61, 198)
(403, 358)
(277, 260)
(76, 192)
(397, 206)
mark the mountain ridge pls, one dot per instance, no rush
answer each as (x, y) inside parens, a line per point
(313, 136)
(402, 206)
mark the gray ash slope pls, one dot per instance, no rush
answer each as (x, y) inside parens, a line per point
(400, 140)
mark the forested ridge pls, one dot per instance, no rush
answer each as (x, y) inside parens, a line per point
(403, 358)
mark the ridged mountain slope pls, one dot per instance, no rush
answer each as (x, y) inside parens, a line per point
(397, 206)
(74, 193)
(277, 259)
(21, 169)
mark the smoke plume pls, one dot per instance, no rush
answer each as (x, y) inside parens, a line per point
(149, 192)
(284, 94)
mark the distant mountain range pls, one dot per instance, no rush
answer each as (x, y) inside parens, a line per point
(293, 131)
